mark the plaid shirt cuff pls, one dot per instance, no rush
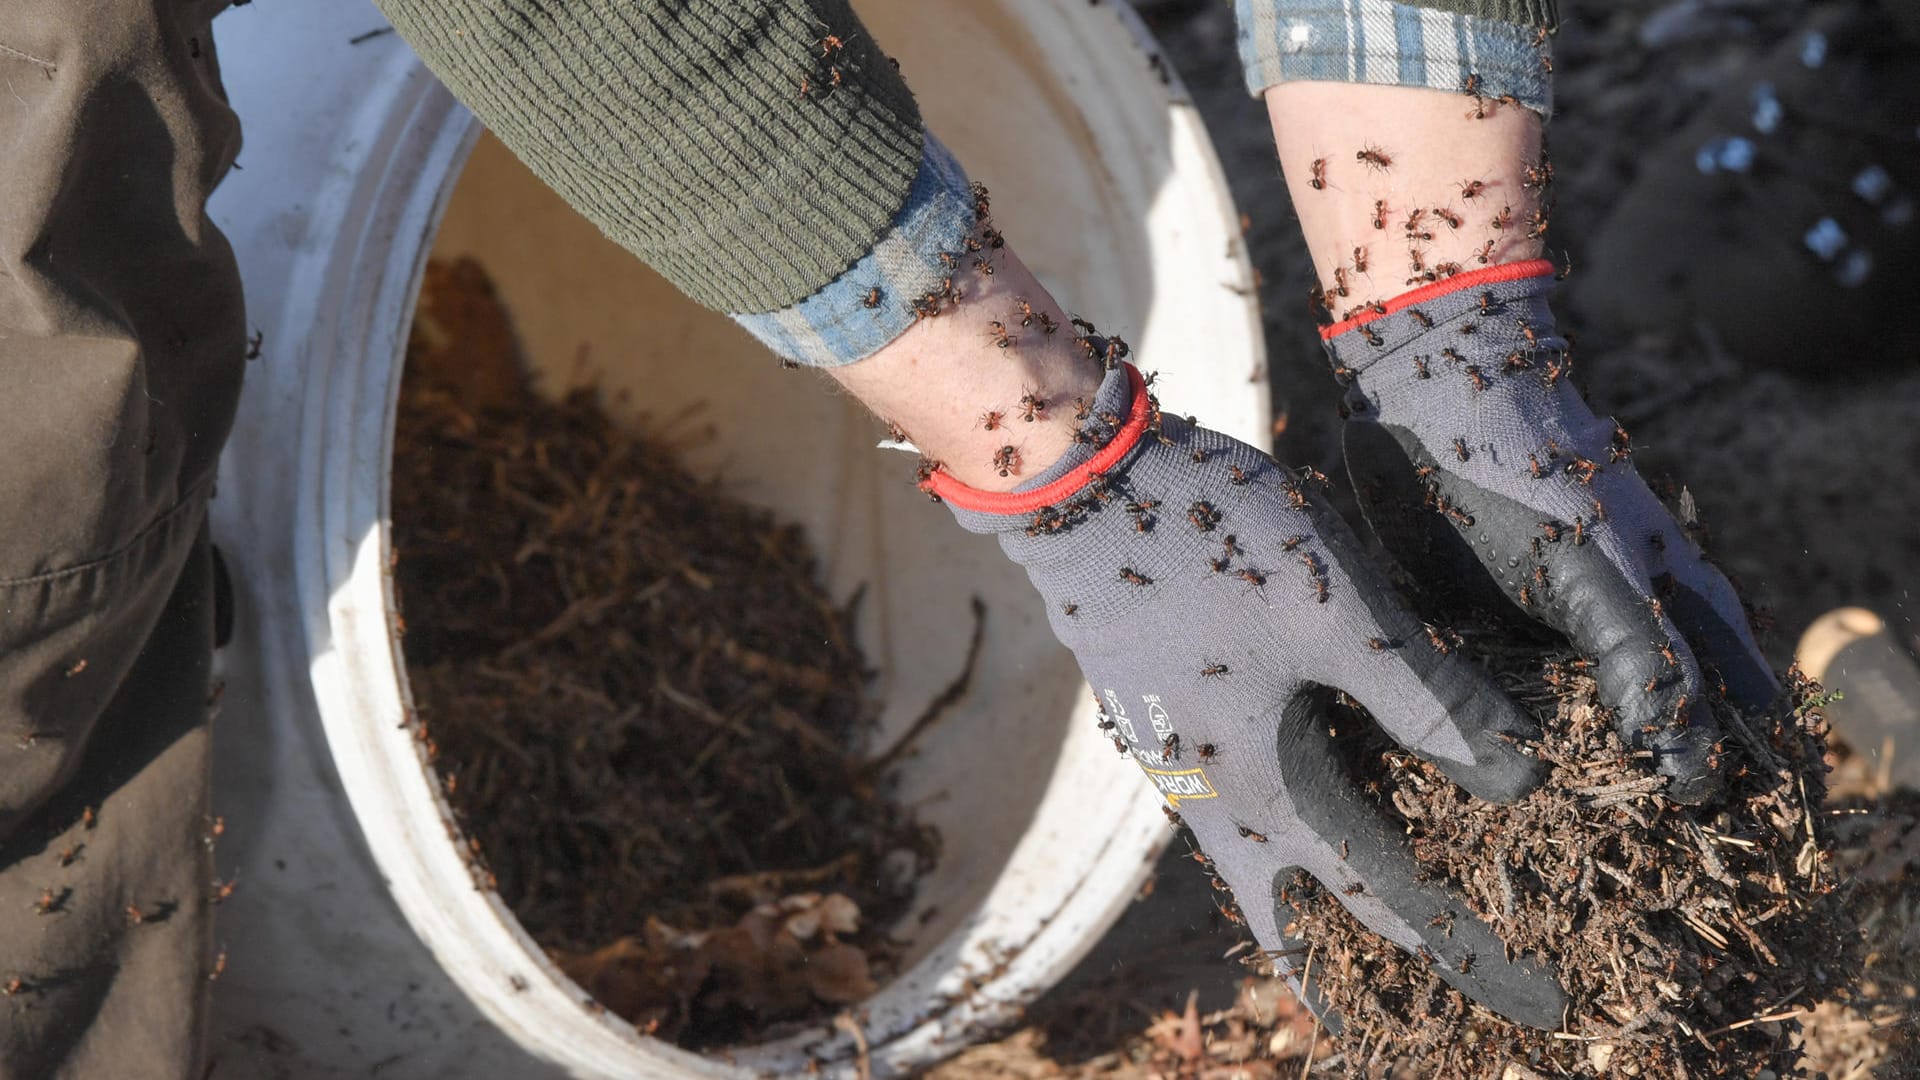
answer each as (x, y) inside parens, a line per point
(870, 304)
(1379, 41)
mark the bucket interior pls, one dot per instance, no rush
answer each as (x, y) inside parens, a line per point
(1027, 796)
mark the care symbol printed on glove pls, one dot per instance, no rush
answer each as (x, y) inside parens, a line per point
(1157, 716)
(1118, 714)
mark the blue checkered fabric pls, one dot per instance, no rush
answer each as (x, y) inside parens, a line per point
(1378, 41)
(836, 325)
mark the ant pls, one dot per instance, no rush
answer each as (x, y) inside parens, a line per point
(1379, 213)
(1583, 470)
(1420, 368)
(1120, 745)
(1252, 577)
(1360, 260)
(1318, 181)
(872, 299)
(1414, 218)
(1485, 254)
(1379, 644)
(1212, 670)
(1203, 516)
(1472, 189)
(1170, 747)
(992, 419)
(1460, 449)
(1340, 282)
(1032, 406)
(1238, 477)
(1258, 838)
(1471, 87)
(1232, 548)
(1527, 331)
(254, 341)
(1488, 305)
(1006, 461)
(1517, 361)
(1133, 577)
(1468, 327)
(1440, 642)
(1479, 381)
(1373, 339)
(1421, 317)
(1207, 751)
(1502, 219)
(1579, 532)
(1453, 220)
(1374, 158)
(1448, 269)
(997, 333)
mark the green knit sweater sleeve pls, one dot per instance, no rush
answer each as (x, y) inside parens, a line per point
(749, 150)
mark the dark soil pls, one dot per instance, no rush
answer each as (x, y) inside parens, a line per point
(646, 711)
(1675, 931)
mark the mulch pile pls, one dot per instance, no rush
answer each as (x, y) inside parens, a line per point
(1690, 940)
(646, 711)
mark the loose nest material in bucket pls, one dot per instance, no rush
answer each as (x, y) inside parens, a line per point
(645, 710)
(1690, 941)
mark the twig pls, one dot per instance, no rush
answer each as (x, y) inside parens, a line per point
(943, 701)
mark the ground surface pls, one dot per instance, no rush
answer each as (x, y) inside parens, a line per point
(1806, 478)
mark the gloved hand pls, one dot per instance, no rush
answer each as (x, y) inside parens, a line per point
(1468, 380)
(1212, 604)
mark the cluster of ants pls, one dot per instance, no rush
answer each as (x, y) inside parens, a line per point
(52, 902)
(1420, 224)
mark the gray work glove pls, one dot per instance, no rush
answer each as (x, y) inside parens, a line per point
(1214, 605)
(1461, 388)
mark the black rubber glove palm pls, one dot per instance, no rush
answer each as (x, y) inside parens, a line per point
(1460, 392)
(1213, 606)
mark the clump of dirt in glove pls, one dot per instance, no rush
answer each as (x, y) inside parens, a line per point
(1690, 940)
(645, 710)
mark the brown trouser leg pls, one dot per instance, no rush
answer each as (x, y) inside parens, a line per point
(122, 340)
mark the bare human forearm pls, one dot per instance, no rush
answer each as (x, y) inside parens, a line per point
(1398, 186)
(985, 388)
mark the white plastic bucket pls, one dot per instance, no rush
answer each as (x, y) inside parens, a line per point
(353, 152)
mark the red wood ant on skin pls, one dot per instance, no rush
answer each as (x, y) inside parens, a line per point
(997, 333)
(1453, 220)
(1472, 189)
(991, 420)
(1318, 180)
(1502, 219)
(1485, 254)
(1006, 461)
(1380, 213)
(1360, 260)
(1340, 281)
(1032, 406)
(1374, 158)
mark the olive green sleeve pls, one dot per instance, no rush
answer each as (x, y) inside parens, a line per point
(749, 150)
